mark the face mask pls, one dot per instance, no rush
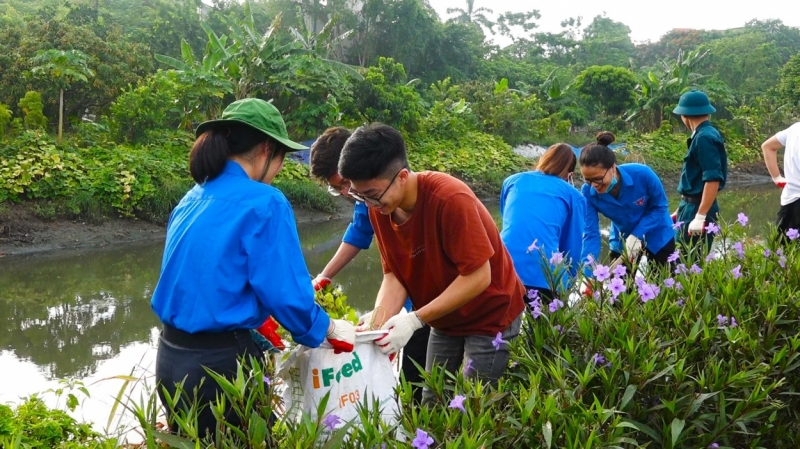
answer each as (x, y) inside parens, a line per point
(612, 183)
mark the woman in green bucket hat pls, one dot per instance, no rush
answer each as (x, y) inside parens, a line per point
(232, 257)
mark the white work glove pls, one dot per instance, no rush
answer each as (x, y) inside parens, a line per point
(698, 225)
(401, 327)
(634, 246)
(779, 181)
(364, 322)
(342, 336)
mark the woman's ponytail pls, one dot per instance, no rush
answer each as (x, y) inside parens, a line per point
(209, 155)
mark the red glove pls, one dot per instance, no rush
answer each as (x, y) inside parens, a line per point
(320, 282)
(268, 331)
(342, 336)
(589, 291)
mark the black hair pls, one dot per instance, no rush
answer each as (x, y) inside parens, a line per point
(212, 149)
(326, 150)
(373, 151)
(599, 154)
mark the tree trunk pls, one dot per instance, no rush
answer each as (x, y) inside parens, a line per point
(60, 115)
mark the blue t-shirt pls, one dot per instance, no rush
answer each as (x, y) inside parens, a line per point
(642, 210)
(546, 209)
(232, 257)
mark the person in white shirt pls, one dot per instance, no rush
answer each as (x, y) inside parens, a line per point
(789, 213)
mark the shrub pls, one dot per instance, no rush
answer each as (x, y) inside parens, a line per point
(32, 108)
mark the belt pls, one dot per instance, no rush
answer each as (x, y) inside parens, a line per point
(204, 340)
(692, 199)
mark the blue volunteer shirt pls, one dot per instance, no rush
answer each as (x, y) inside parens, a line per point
(232, 257)
(549, 210)
(359, 233)
(641, 210)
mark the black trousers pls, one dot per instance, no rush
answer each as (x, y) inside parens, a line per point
(659, 258)
(417, 350)
(183, 357)
(788, 218)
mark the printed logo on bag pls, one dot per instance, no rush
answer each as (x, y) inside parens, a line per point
(329, 375)
(639, 202)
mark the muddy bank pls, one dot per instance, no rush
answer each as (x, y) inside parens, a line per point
(23, 232)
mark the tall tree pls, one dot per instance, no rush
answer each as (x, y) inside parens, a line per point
(472, 15)
(63, 68)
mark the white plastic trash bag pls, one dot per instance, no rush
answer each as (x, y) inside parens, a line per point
(310, 373)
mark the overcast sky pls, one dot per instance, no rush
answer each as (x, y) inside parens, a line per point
(648, 20)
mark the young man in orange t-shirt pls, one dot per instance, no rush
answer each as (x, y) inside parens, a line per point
(440, 246)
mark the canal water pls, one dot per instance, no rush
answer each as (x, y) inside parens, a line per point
(85, 315)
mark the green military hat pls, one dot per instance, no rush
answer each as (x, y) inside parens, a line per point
(258, 114)
(694, 102)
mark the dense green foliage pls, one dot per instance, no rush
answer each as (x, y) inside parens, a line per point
(142, 70)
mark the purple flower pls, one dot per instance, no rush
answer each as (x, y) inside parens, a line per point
(556, 258)
(722, 320)
(267, 381)
(601, 272)
(598, 359)
(710, 257)
(620, 270)
(674, 256)
(677, 225)
(458, 402)
(669, 282)
(648, 292)
(467, 367)
(679, 303)
(331, 421)
(535, 303)
(639, 281)
(713, 446)
(779, 251)
(533, 247)
(739, 249)
(533, 294)
(422, 440)
(767, 252)
(498, 341)
(589, 260)
(617, 286)
(742, 219)
(678, 286)
(555, 305)
(737, 272)
(733, 322)
(782, 261)
(514, 364)
(792, 233)
(536, 311)
(559, 328)
(695, 269)
(680, 269)
(712, 228)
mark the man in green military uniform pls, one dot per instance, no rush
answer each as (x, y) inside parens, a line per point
(705, 169)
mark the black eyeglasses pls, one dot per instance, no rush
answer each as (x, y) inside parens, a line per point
(372, 200)
(597, 181)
